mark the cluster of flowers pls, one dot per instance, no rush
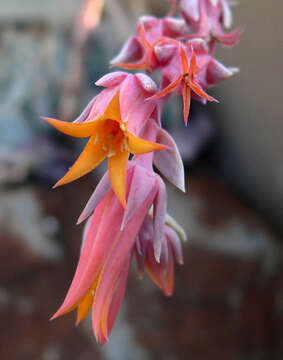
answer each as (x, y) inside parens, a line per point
(127, 211)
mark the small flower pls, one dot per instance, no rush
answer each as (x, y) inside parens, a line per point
(162, 272)
(207, 18)
(186, 81)
(109, 137)
(138, 52)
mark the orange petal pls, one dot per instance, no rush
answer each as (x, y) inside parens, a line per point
(86, 303)
(113, 110)
(142, 34)
(140, 65)
(184, 60)
(168, 89)
(117, 166)
(200, 92)
(193, 64)
(92, 156)
(186, 92)
(141, 146)
(84, 307)
(74, 129)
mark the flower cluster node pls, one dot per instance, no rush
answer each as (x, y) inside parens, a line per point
(126, 214)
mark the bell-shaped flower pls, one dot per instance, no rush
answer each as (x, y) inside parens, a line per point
(162, 272)
(207, 18)
(100, 279)
(138, 52)
(109, 134)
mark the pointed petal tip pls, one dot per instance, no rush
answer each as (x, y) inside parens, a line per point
(55, 316)
(58, 184)
(168, 292)
(80, 220)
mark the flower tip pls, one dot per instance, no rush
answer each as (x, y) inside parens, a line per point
(80, 220)
(168, 292)
(53, 317)
(56, 185)
(60, 183)
(77, 323)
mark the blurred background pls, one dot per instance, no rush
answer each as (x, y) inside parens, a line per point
(228, 299)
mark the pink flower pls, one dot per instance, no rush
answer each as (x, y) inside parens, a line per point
(190, 69)
(181, 73)
(138, 52)
(101, 276)
(207, 18)
(162, 272)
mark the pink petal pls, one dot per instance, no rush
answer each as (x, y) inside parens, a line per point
(190, 8)
(146, 83)
(84, 115)
(111, 79)
(73, 295)
(164, 53)
(169, 161)
(199, 46)
(227, 14)
(134, 109)
(217, 72)
(131, 51)
(101, 103)
(113, 302)
(173, 27)
(161, 273)
(124, 241)
(176, 244)
(159, 213)
(143, 183)
(102, 188)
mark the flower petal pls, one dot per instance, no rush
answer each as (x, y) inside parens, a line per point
(168, 89)
(135, 111)
(124, 242)
(200, 92)
(141, 146)
(111, 79)
(73, 129)
(159, 213)
(101, 189)
(113, 110)
(169, 161)
(117, 166)
(90, 158)
(142, 184)
(186, 93)
(86, 302)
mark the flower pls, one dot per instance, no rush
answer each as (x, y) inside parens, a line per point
(162, 272)
(207, 18)
(186, 79)
(139, 51)
(101, 275)
(109, 137)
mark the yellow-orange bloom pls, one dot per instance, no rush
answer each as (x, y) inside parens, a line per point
(109, 137)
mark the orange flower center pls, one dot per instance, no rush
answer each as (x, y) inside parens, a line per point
(113, 137)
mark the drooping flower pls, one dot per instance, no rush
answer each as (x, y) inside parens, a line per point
(162, 272)
(101, 275)
(184, 79)
(139, 51)
(109, 137)
(207, 18)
